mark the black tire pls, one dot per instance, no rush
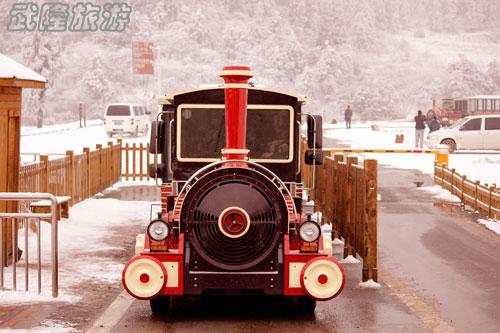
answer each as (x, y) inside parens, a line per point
(452, 145)
(306, 304)
(110, 134)
(159, 304)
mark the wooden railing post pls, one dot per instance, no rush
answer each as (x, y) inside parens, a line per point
(141, 148)
(70, 176)
(348, 247)
(100, 183)
(120, 159)
(435, 172)
(370, 229)
(86, 152)
(134, 151)
(126, 161)
(476, 194)
(452, 181)
(335, 199)
(111, 166)
(44, 178)
(462, 190)
(493, 189)
(148, 160)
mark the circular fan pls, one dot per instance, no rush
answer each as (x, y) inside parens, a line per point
(235, 189)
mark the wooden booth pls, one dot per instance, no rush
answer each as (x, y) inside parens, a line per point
(14, 77)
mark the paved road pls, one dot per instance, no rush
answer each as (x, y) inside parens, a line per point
(438, 253)
(356, 310)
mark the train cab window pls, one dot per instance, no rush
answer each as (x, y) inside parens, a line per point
(269, 133)
(201, 133)
(472, 125)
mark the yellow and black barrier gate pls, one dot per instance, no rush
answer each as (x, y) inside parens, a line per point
(441, 155)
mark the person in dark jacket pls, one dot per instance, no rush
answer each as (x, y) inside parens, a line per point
(348, 116)
(419, 129)
(433, 125)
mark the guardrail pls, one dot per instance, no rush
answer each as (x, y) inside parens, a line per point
(483, 198)
(346, 194)
(441, 155)
(11, 240)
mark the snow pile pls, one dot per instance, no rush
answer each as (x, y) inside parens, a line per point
(439, 193)
(370, 284)
(493, 225)
(47, 326)
(8, 297)
(337, 241)
(349, 260)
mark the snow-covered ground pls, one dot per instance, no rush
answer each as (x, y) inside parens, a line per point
(57, 139)
(85, 245)
(483, 167)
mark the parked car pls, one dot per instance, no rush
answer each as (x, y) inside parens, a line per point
(126, 118)
(473, 132)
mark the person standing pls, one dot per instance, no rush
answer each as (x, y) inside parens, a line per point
(433, 125)
(419, 129)
(348, 116)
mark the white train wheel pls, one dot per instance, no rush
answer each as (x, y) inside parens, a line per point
(322, 278)
(144, 277)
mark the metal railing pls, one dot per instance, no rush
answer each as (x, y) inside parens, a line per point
(26, 218)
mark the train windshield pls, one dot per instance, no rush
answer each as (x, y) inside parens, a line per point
(201, 133)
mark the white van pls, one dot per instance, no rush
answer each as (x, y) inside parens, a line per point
(474, 132)
(126, 118)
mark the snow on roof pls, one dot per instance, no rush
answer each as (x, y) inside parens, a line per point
(9, 69)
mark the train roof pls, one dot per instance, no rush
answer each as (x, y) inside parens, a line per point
(169, 98)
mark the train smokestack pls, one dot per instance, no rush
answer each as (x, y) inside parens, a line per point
(236, 98)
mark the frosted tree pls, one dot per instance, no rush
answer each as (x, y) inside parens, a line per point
(41, 53)
(465, 78)
(493, 74)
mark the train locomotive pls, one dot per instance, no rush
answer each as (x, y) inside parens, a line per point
(233, 220)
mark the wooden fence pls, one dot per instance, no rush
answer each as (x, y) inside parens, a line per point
(77, 176)
(346, 194)
(482, 198)
(136, 159)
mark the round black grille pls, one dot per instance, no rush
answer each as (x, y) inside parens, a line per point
(234, 187)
